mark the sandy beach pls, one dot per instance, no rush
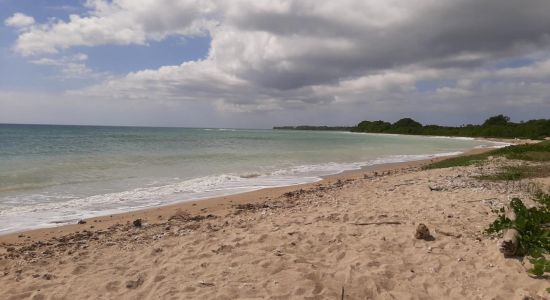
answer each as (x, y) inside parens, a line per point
(342, 150)
(351, 234)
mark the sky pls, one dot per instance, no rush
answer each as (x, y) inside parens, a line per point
(263, 63)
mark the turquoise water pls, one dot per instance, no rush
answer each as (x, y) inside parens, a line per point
(55, 174)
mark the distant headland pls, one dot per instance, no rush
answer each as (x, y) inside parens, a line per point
(496, 127)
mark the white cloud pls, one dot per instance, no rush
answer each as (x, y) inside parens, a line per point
(19, 20)
(120, 22)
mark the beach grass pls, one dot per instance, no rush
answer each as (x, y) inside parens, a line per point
(530, 152)
(539, 152)
(519, 173)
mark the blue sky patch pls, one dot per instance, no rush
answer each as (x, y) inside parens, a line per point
(514, 63)
(19, 73)
(432, 85)
(124, 59)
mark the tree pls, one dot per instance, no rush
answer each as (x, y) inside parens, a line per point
(499, 120)
(408, 123)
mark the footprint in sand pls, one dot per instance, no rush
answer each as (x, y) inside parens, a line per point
(262, 238)
(79, 270)
(112, 286)
(38, 297)
(318, 287)
(299, 291)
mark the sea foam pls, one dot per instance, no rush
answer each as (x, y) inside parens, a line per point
(54, 213)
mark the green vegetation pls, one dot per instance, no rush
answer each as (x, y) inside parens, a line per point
(532, 224)
(459, 161)
(534, 233)
(497, 126)
(529, 152)
(519, 172)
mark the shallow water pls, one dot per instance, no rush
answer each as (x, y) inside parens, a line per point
(52, 174)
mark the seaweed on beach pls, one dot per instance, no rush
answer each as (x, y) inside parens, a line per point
(187, 217)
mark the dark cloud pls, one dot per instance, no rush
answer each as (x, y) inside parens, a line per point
(442, 34)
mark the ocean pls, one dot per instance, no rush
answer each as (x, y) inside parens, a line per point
(51, 174)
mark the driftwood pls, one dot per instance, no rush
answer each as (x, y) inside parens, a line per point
(451, 234)
(378, 223)
(508, 245)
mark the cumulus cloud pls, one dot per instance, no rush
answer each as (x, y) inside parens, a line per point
(280, 55)
(19, 20)
(119, 22)
(311, 42)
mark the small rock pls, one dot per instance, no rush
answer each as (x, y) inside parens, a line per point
(48, 276)
(80, 222)
(137, 223)
(422, 232)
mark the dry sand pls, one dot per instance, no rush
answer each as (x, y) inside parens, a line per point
(351, 234)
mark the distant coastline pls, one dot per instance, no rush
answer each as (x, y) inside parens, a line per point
(494, 127)
(320, 128)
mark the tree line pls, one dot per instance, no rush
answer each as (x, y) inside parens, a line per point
(497, 126)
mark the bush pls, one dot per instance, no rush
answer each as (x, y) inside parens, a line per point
(534, 235)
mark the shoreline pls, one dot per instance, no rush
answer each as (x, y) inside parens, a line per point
(41, 217)
(151, 215)
(354, 230)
